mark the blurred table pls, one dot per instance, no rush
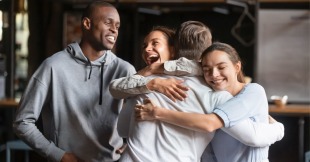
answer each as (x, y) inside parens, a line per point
(294, 110)
(8, 106)
(8, 102)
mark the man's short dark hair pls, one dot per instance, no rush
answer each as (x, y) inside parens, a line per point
(192, 38)
(89, 10)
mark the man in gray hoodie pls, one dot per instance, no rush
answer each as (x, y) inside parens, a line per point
(70, 89)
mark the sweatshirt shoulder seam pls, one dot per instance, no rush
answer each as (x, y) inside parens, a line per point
(40, 82)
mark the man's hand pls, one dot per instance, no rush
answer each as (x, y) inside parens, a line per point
(271, 120)
(155, 68)
(171, 88)
(121, 150)
(68, 157)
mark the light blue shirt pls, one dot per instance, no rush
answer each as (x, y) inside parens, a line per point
(250, 102)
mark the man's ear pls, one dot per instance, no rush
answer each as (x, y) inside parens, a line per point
(86, 23)
(172, 52)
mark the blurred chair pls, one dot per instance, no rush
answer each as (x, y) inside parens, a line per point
(15, 145)
(307, 156)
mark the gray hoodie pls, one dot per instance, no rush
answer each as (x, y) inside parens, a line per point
(66, 89)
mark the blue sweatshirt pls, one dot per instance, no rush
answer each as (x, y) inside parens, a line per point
(67, 89)
(251, 103)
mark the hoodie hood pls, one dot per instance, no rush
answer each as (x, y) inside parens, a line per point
(76, 52)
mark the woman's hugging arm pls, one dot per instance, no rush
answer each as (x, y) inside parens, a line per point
(242, 106)
(192, 121)
(139, 84)
(129, 86)
(256, 134)
(183, 67)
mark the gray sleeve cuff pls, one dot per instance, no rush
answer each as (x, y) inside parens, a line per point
(183, 67)
(56, 154)
(222, 115)
(170, 67)
(129, 86)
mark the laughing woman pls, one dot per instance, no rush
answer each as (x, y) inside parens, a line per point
(222, 71)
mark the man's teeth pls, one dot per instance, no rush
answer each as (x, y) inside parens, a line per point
(110, 37)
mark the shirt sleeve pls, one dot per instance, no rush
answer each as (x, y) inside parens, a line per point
(27, 113)
(183, 67)
(243, 105)
(256, 134)
(129, 86)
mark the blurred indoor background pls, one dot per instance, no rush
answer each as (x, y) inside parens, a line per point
(271, 37)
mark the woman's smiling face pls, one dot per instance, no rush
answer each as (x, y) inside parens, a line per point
(219, 72)
(156, 48)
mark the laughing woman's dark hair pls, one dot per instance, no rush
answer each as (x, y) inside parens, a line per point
(168, 33)
(232, 55)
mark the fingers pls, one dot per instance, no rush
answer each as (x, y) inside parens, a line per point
(271, 120)
(181, 93)
(176, 95)
(183, 87)
(169, 95)
(179, 81)
(141, 116)
(148, 100)
(121, 150)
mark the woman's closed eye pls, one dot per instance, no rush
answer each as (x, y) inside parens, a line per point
(221, 68)
(206, 70)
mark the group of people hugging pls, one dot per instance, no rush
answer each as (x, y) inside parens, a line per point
(190, 103)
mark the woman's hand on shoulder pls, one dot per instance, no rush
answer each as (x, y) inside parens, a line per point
(171, 88)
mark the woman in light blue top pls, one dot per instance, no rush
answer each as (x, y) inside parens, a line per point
(222, 71)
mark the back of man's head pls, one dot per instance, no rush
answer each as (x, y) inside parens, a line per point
(192, 38)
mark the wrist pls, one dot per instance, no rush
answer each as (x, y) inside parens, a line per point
(159, 113)
(152, 84)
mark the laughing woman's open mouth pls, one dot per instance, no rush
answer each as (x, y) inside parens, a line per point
(154, 58)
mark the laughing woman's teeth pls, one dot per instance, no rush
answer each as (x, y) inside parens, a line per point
(149, 58)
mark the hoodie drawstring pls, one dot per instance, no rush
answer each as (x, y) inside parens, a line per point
(101, 84)
(101, 79)
(91, 67)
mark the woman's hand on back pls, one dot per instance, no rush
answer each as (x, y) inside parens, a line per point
(271, 120)
(147, 111)
(171, 88)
